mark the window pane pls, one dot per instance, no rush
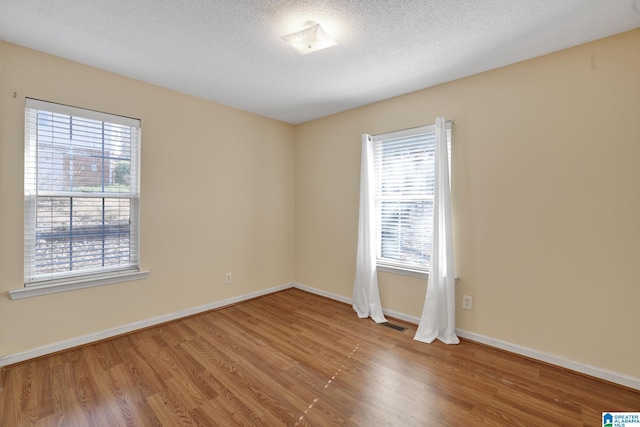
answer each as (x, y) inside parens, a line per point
(74, 233)
(77, 154)
(406, 169)
(405, 231)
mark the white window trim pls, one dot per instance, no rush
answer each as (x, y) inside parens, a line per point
(80, 282)
(403, 271)
(87, 278)
(407, 272)
(388, 266)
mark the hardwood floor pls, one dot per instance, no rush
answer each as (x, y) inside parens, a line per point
(296, 359)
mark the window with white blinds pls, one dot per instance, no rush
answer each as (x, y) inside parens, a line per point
(403, 197)
(81, 193)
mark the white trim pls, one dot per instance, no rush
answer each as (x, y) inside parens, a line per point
(418, 130)
(593, 371)
(89, 194)
(390, 313)
(407, 272)
(322, 293)
(81, 112)
(401, 316)
(119, 330)
(404, 271)
(31, 290)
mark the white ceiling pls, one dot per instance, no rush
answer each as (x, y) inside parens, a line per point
(230, 51)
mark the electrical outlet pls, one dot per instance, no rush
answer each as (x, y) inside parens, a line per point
(227, 278)
(467, 302)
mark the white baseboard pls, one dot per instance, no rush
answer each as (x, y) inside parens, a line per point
(119, 330)
(604, 374)
(323, 293)
(390, 313)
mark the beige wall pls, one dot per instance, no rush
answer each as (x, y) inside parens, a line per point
(546, 192)
(546, 197)
(217, 196)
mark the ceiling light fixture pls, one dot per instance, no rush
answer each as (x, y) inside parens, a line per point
(310, 39)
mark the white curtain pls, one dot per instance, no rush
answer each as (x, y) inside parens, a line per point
(366, 296)
(438, 315)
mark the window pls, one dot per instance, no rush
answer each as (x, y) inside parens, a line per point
(403, 198)
(81, 194)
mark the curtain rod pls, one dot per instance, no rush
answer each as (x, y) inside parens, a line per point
(448, 122)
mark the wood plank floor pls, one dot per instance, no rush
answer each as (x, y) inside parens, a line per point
(296, 359)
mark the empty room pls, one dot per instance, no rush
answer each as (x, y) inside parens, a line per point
(319, 213)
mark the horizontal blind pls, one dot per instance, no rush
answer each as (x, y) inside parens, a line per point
(81, 192)
(404, 164)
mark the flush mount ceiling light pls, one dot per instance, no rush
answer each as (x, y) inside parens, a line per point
(310, 39)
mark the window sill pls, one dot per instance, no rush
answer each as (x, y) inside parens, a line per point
(408, 272)
(403, 271)
(77, 283)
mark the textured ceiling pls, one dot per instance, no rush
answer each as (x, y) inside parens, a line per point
(230, 51)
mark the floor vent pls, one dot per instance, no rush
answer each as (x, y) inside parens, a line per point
(392, 326)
